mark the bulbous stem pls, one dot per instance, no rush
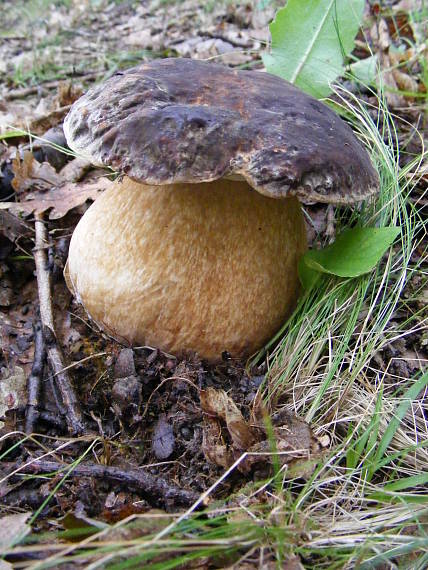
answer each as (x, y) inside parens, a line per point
(206, 267)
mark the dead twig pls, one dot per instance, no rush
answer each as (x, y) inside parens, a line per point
(35, 378)
(73, 414)
(153, 488)
(42, 87)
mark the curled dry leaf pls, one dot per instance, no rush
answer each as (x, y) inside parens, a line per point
(67, 93)
(213, 445)
(227, 435)
(31, 174)
(293, 440)
(217, 403)
(76, 169)
(46, 121)
(405, 83)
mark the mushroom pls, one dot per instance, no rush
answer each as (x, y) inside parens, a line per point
(195, 247)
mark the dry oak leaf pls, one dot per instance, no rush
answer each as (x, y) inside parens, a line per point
(41, 188)
(39, 125)
(59, 199)
(29, 173)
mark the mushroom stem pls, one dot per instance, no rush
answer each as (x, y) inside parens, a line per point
(207, 267)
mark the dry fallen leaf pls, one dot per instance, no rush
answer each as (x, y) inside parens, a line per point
(67, 93)
(227, 435)
(294, 442)
(14, 228)
(213, 445)
(76, 169)
(218, 404)
(41, 188)
(389, 84)
(29, 173)
(13, 384)
(46, 121)
(13, 528)
(405, 83)
(60, 199)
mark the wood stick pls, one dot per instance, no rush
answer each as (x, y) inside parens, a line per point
(35, 378)
(73, 414)
(43, 86)
(153, 488)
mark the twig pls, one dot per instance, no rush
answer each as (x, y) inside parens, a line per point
(35, 378)
(154, 489)
(73, 414)
(43, 86)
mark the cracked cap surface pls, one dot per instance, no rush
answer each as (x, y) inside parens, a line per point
(180, 120)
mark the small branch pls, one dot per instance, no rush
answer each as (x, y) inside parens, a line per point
(35, 378)
(153, 488)
(41, 88)
(56, 361)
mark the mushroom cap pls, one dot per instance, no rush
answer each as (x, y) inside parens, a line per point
(185, 121)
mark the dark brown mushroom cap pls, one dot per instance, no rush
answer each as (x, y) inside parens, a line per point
(181, 120)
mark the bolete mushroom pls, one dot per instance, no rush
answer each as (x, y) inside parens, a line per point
(195, 247)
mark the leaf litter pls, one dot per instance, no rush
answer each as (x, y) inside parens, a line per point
(227, 435)
(40, 188)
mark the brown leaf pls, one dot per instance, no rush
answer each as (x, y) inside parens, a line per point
(213, 446)
(43, 123)
(13, 528)
(384, 40)
(294, 440)
(389, 83)
(68, 93)
(31, 174)
(218, 403)
(295, 443)
(76, 169)
(13, 228)
(405, 83)
(12, 389)
(59, 199)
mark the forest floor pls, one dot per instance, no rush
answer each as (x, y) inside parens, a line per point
(149, 443)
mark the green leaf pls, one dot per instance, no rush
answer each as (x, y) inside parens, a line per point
(365, 70)
(308, 276)
(310, 39)
(12, 134)
(407, 483)
(355, 252)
